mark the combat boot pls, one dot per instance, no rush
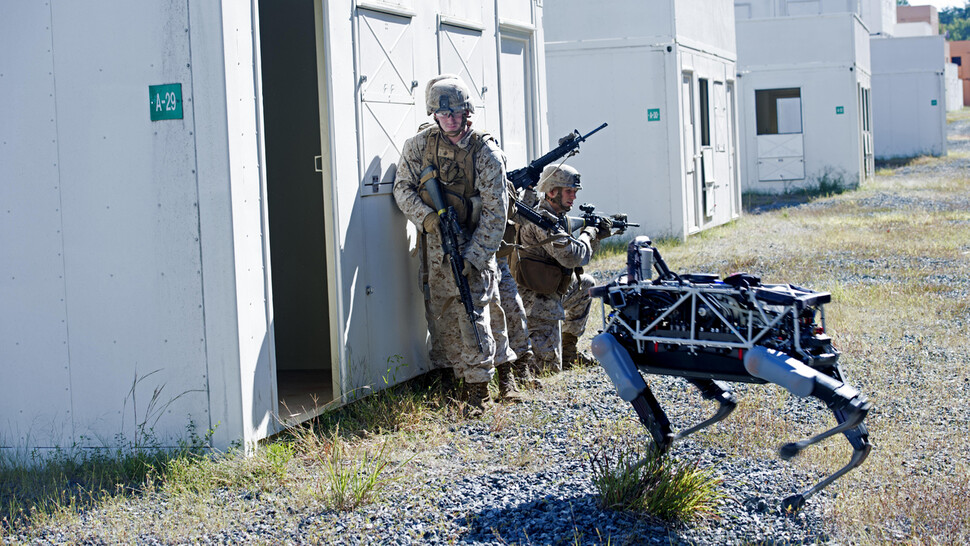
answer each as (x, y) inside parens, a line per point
(524, 372)
(476, 398)
(569, 342)
(506, 382)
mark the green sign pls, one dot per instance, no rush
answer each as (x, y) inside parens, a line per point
(933, 102)
(165, 101)
(653, 114)
(839, 110)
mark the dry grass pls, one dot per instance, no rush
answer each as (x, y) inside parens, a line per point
(901, 316)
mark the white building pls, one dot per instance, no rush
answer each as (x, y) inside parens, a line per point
(913, 84)
(909, 96)
(954, 87)
(197, 224)
(804, 94)
(662, 75)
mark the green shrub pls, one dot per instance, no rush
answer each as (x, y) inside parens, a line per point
(653, 483)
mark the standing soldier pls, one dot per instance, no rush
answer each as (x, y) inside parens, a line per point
(470, 169)
(550, 275)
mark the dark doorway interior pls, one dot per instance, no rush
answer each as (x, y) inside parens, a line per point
(295, 199)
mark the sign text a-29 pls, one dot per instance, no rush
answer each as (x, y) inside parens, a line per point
(165, 101)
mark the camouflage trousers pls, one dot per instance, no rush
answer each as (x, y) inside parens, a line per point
(551, 315)
(452, 338)
(515, 317)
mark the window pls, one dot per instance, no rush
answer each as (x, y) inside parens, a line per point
(705, 108)
(957, 61)
(779, 111)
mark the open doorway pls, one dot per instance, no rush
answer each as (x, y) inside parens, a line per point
(291, 132)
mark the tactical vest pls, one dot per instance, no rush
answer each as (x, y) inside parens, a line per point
(538, 271)
(456, 173)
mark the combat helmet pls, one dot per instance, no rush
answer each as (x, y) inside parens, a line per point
(446, 92)
(558, 176)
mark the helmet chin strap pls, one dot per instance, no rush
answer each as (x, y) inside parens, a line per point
(557, 201)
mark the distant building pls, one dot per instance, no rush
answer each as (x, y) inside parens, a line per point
(908, 96)
(917, 21)
(804, 82)
(960, 56)
(662, 74)
(910, 93)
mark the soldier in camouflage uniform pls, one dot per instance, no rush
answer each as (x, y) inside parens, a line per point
(471, 170)
(550, 276)
(518, 334)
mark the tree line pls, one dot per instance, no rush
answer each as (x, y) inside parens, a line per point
(955, 22)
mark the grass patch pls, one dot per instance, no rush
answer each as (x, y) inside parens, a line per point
(350, 481)
(69, 481)
(645, 481)
(825, 185)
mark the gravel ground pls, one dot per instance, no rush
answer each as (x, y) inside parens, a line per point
(456, 494)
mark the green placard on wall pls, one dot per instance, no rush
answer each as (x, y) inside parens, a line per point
(165, 101)
(839, 110)
(653, 114)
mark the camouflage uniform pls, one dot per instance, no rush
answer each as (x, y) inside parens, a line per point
(515, 315)
(456, 337)
(545, 311)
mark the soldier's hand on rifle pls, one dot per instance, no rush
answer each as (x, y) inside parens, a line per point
(548, 215)
(431, 222)
(621, 220)
(603, 228)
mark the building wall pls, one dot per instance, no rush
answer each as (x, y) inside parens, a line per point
(908, 97)
(919, 14)
(631, 78)
(827, 58)
(135, 253)
(760, 9)
(105, 228)
(954, 88)
(960, 49)
(879, 16)
(916, 28)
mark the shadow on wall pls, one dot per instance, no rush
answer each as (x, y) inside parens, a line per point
(385, 330)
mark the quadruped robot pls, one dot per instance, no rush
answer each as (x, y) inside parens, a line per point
(711, 331)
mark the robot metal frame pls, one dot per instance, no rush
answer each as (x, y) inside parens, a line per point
(712, 331)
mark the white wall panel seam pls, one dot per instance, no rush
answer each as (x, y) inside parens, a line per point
(198, 217)
(60, 205)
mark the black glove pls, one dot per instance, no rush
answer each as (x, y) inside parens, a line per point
(603, 228)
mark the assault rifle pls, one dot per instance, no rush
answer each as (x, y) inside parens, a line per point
(590, 218)
(451, 234)
(529, 175)
(549, 223)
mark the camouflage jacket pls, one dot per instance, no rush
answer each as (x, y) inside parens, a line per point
(569, 254)
(489, 181)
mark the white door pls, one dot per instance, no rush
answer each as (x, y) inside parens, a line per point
(690, 150)
(733, 176)
(383, 297)
(461, 51)
(517, 106)
(386, 90)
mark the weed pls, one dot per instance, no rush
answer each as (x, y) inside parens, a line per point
(351, 484)
(653, 483)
